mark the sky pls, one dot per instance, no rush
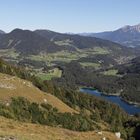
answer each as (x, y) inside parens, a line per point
(73, 16)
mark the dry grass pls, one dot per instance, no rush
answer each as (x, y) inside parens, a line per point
(15, 87)
(27, 131)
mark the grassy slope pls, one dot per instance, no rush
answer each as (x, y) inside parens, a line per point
(111, 72)
(9, 53)
(89, 64)
(14, 87)
(27, 131)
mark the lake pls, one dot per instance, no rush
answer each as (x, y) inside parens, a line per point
(129, 108)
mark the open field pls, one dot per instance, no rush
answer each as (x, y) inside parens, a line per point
(8, 53)
(88, 64)
(27, 131)
(111, 72)
(66, 56)
(63, 56)
(51, 59)
(66, 42)
(51, 74)
(99, 50)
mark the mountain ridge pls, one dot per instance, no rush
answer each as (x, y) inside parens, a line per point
(128, 35)
(26, 42)
(34, 42)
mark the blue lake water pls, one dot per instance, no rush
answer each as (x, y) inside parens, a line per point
(129, 108)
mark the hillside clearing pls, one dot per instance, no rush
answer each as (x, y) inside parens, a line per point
(51, 74)
(88, 64)
(111, 72)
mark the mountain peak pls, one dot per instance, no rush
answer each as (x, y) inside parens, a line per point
(17, 30)
(125, 28)
(137, 27)
(128, 28)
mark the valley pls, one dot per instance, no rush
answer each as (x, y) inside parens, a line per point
(92, 55)
(41, 72)
(69, 70)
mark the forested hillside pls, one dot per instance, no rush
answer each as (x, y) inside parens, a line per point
(92, 111)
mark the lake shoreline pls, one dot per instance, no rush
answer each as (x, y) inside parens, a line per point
(130, 102)
(113, 94)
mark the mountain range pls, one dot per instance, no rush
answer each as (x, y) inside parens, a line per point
(128, 35)
(42, 87)
(28, 42)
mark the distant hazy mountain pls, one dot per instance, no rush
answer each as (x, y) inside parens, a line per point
(2, 32)
(127, 35)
